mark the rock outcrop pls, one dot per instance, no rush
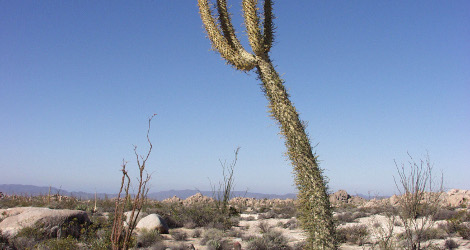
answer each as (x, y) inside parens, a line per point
(342, 197)
(197, 198)
(52, 221)
(457, 198)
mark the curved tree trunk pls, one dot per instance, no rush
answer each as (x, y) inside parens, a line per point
(314, 207)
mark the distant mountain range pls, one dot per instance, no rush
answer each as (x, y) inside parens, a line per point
(30, 190)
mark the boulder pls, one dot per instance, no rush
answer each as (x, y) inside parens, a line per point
(49, 220)
(127, 215)
(153, 222)
(394, 200)
(339, 197)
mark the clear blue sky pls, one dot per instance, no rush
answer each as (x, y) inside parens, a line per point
(374, 79)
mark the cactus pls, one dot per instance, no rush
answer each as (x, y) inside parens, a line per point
(315, 212)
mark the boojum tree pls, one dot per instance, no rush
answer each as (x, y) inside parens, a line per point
(315, 212)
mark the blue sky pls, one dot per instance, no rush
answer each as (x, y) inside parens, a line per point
(374, 79)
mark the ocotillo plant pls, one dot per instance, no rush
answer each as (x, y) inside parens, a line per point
(315, 212)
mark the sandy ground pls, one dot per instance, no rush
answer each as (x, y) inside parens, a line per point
(251, 227)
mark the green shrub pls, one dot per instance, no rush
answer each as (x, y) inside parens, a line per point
(147, 238)
(272, 240)
(68, 243)
(212, 234)
(35, 232)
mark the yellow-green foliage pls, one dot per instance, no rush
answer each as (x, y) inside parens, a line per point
(315, 212)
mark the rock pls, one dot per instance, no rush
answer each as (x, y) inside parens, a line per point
(197, 198)
(356, 200)
(153, 222)
(50, 220)
(458, 198)
(394, 200)
(128, 217)
(339, 197)
(173, 199)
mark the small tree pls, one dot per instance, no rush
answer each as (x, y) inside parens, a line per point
(419, 200)
(121, 236)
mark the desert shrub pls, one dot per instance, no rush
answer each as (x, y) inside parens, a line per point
(419, 201)
(22, 243)
(398, 223)
(82, 207)
(159, 245)
(196, 233)
(444, 214)
(434, 233)
(247, 238)
(356, 234)
(464, 231)
(68, 243)
(449, 226)
(285, 211)
(263, 227)
(179, 235)
(376, 224)
(147, 238)
(299, 245)
(34, 232)
(271, 240)
(383, 209)
(347, 217)
(249, 218)
(218, 245)
(195, 215)
(28, 237)
(190, 225)
(261, 209)
(235, 233)
(214, 239)
(106, 205)
(345, 207)
(343, 218)
(212, 234)
(291, 224)
(98, 234)
(359, 214)
(268, 215)
(450, 244)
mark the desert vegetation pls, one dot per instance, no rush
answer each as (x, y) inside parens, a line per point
(253, 224)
